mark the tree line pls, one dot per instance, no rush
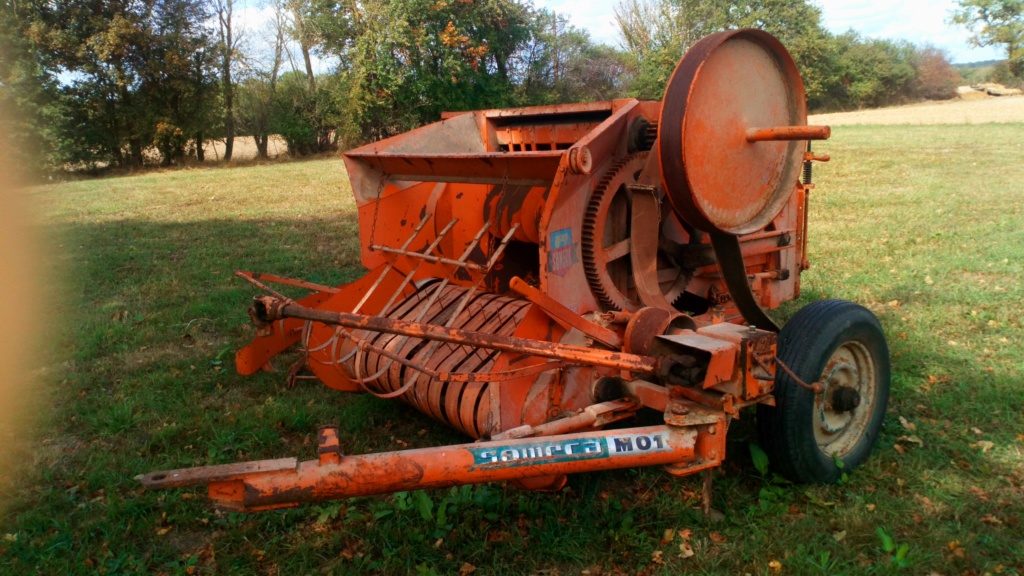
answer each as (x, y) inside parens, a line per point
(107, 82)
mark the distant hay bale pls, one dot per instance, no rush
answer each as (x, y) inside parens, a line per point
(993, 89)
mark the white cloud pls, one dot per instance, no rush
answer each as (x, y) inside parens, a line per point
(919, 21)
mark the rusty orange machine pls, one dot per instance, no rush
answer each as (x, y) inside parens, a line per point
(537, 274)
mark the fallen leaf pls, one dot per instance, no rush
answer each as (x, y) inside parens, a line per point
(928, 280)
(976, 431)
(953, 544)
(498, 535)
(985, 446)
(917, 518)
(899, 448)
(656, 557)
(685, 534)
(668, 536)
(467, 568)
(979, 493)
(775, 565)
(686, 551)
(439, 542)
(839, 536)
(908, 425)
(893, 303)
(871, 507)
(163, 531)
(990, 519)
(10, 537)
(913, 439)
(718, 538)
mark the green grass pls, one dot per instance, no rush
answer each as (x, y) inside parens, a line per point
(925, 225)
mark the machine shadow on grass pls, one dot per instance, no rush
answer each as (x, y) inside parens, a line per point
(147, 381)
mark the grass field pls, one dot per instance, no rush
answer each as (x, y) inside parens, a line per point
(923, 224)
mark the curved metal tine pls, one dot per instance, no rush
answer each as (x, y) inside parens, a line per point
(430, 348)
(425, 307)
(376, 284)
(405, 281)
(390, 265)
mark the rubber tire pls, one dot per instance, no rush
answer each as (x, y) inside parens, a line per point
(807, 341)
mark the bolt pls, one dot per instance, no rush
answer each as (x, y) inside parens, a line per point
(753, 329)
(678, 409)
(712, 430)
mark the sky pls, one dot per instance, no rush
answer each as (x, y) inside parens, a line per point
(919, 21)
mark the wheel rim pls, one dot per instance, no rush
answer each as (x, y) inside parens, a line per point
(837, 430)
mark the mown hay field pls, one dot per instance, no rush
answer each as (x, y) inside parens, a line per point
(973, 108)
(922, 224)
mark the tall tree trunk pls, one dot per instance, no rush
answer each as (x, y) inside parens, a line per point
(261, 146)
(200, 153)
(135, 146)
(229, 115)
(225, 12)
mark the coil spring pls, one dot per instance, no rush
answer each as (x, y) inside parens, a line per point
(808, 168)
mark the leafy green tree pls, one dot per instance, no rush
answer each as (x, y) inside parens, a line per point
(560, 63)
(30, 105)
(125, 68)
(935, 77)
(656, 33)
(228, 51)
(257, 93)
(405, 61)
(995, 23)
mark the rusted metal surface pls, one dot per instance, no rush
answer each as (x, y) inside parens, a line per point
(565, 316)
(278, 485)
(715, 178)
(270, 309)
(781, 133)
(535, 274)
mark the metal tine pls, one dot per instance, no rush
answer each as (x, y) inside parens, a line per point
(306, 331)
(334, 339)
(424, 308)
(463, 302)
(487, 268)
(395, 295)
(391, 265)
(429, 258)
(408, 277)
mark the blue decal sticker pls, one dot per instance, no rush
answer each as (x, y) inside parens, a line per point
(561, 251)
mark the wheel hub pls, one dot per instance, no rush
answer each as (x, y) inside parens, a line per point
(843, 408)
(845, 399)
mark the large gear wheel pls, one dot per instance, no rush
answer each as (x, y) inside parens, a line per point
(605, 242)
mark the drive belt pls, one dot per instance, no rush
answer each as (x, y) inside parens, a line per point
(734, 272)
